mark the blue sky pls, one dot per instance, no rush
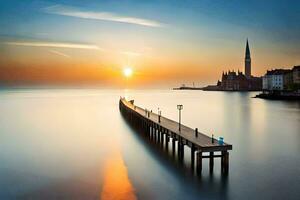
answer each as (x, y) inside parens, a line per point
(279, 17)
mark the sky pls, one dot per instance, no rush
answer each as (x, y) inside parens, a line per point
(165, 43)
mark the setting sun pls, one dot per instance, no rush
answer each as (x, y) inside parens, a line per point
(127, 72)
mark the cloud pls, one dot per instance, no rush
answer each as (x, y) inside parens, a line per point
(54, 44)
(59, 53)
(107, 16)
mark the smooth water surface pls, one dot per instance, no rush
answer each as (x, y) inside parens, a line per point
(74, 144)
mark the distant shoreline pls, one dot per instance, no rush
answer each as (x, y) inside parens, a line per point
(211, 88)
(188, 88)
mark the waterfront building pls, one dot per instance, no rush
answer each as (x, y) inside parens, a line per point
(234, 81)
(281, 84)
(296, 74)
(278, 79)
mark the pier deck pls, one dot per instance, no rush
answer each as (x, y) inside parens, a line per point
(161, 128)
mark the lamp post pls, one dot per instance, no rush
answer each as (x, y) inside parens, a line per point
(179, 107)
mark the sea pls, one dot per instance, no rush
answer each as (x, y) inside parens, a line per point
(64, 143)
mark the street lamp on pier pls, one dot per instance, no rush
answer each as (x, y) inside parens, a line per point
(179, 107)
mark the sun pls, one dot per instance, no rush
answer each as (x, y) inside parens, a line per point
(127, 72)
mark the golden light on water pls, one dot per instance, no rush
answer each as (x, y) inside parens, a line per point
(116, 181)
(127, 71)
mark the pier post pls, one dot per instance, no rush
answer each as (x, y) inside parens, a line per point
(179, 148)
(167, 139)
(211, 161)
(162, 136)
(158, 134)
(193, 156)
(146, 129)
(182, 150)
(154, 133)
(173, 144)
(225, 162)
(199, 161)
(222, 161)
(151, 131)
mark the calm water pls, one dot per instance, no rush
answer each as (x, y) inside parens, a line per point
(74, 144)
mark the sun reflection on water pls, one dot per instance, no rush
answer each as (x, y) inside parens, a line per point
(116, 181)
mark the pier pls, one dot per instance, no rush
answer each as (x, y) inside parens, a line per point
(164, 131)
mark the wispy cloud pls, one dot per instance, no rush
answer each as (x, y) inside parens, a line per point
(59, 53)
(107, 16)
(54, 44)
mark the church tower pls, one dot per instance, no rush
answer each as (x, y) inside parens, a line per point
(247, 61)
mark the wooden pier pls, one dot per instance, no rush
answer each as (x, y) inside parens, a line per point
(163, 130)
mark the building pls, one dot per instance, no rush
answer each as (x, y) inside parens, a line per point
(278, 79)
(296, 74)
(281, 84)
(287, 79)
(233, 81)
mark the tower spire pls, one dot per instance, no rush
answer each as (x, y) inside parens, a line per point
(247, 50)
(247, 61)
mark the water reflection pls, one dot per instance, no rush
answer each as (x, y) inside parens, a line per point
(116, 182)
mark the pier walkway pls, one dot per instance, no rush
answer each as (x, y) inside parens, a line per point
(162, 130)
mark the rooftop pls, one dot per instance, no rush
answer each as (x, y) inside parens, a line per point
(296, 67)
(278, 71)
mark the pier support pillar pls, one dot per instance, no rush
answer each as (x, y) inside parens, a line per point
(199, 162)
(162, 136)
(173, 145)
(193, 156)
(153, 133)
(180, 148)
(167, 140)
(211, 161)
(158, 134)
(182, 151)
(148, 129)
(225, 162)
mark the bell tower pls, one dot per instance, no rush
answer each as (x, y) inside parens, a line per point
(247, 61)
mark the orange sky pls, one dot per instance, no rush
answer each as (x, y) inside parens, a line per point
(165, 44)
(42, 65)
